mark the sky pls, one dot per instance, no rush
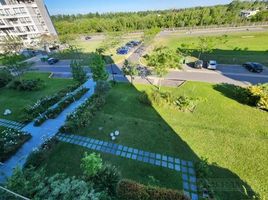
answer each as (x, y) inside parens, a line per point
(102, 6)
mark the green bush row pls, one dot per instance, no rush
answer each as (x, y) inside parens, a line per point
(43, 104)
(10, 141)
(84, 114)
(54, 112)
(127, 190)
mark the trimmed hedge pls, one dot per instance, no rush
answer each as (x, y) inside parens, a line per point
(43, 104)
(53, 113)
(10, 142)
(130, 190)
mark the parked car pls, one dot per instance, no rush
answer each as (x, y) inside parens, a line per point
(129, 44)
(135, 43)
(253, 67)
(122, 50)
(198, 64)
(212, 64)
(52, 61)
(87, 38)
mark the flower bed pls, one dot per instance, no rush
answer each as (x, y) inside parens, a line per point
(43, 104)
(10, 141)
(54, 112)
(82, 116)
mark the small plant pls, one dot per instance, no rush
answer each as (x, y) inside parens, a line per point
(91, 164)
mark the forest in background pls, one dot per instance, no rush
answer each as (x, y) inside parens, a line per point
(132, 21)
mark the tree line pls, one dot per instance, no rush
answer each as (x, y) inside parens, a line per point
(131, 21)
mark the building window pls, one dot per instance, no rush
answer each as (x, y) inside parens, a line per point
(22, 10)
(17, 11)
(28, 20)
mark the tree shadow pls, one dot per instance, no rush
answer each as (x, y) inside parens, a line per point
(234, 92)
(162, 137)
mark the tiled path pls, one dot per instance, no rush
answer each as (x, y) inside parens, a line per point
(11, 124)
(160, 160)
(39, 134)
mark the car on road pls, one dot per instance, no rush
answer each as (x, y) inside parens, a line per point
(198, 64)
(122, 50)
(129, 44)
(253, 67)
(87, 38)
(52, 61)
(212, 64)
(135, 43)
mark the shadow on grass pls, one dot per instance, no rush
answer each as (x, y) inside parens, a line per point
(144, 128)
(234, 92)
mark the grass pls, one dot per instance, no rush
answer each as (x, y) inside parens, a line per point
(232, 136)
(253, 47)
(16, 101)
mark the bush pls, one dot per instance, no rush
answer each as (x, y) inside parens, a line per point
(27, 85)
(10, 141)
(258, 96)
(102, 88)
(91, 164)
(106, 179)
(144, 99)
(37, 156)
(127, 190)
(5, 78)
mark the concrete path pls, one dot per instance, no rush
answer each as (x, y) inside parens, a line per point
(39, 134)
(11, 124)
(186, 168)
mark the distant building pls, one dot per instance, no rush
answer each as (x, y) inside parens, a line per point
(24, 19)
(248, 13)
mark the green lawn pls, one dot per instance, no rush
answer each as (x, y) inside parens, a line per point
(253, 45)
(232, 136)
(16, 101)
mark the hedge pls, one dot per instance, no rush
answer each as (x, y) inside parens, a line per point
(130, 190)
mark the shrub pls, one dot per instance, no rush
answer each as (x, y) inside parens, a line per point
(37, 156)
(10, 141)
(106, 179)
(91, 164)
(102, 88)
(5, 78)
(127, 190)
(259, 96)
(144, 99)
(27, 85)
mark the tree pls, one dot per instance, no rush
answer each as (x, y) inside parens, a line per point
(205, 45)
(46, 40)
(12, 45)
(163, 58)
(91, 164)
(130, 69)
(97, 66)
(15, 63)
(78, 71)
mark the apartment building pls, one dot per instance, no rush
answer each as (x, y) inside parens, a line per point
(25, 19)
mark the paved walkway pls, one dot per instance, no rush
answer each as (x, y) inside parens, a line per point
(11, 124)
(186, 168)
(39, 134)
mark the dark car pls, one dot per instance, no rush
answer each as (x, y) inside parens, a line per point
(253, 67)
(87, 38)
(135, 43)
(198, 64)
(52, 61)
(129, 44)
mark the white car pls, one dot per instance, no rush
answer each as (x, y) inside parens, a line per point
(212, 64)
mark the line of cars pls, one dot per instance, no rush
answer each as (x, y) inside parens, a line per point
(212, 65)
(127, 47)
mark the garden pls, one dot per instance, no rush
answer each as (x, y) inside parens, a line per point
(18, 98)
(222, 137)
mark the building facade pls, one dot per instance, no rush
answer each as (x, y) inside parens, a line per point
(25, 19)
